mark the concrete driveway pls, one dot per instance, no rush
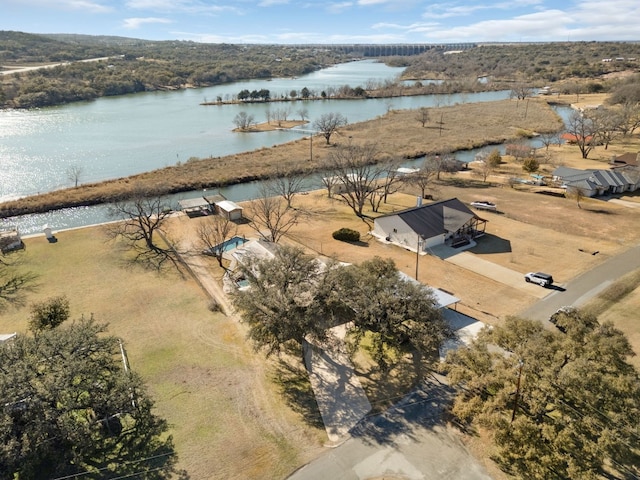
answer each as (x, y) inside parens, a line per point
(491, 270)
(409, 442)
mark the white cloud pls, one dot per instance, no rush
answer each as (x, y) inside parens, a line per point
(409, 28)
(449, 10)
(339, 7)
(80, 5)
(588, 20)
(134, 23)
(269, 3)
(185, 6)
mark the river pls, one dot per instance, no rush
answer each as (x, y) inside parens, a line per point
(115, 137)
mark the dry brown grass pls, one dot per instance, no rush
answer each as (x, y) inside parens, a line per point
(228, 417)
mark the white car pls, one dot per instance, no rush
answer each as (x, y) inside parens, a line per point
(542, 279)
(484, 205)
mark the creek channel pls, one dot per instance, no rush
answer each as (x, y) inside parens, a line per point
(116, 137)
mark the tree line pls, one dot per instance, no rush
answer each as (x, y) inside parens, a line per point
(138, 65)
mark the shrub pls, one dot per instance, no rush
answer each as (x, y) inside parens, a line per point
(531, 164)
(49, 314)
(346, 235)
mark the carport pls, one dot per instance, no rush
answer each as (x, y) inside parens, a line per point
(194, 205)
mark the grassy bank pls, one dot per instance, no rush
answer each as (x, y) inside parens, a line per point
(398, 133)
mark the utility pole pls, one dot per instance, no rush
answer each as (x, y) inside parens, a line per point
(517, 396)
(418, 255)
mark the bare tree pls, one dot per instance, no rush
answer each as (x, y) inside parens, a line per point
(142, 220)
(584, 130)
(422, 116)
(445, 162)
(213, 232)
(388, 183)
(330, 183)
(303, 113)
(521, 91)
(549, 138)
(286, 184)
(608, 122)
(357, 171)
(425, 176)
(576, 193)
(270, 217)
(243, 120)
(74, 172)
(280, 115)
(487, 163)
(328, 123)
(630, 113)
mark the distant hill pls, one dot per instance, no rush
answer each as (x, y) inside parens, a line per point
(96, 40)
(20, 47)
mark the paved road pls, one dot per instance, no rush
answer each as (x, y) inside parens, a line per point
(585, 286)
(11, 71)
(408, 442)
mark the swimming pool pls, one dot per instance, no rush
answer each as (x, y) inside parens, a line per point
(228, 245)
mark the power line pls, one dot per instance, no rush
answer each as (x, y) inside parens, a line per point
(133, 462)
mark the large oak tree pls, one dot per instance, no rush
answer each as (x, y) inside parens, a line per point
(290, 299)
(71, 405)
(558, 405)
(397, 314)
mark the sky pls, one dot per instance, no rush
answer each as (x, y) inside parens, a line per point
(327, 21)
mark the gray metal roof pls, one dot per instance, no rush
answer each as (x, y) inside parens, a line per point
(436, 218)
(192, 203)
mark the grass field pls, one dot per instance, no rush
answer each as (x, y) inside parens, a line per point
(227, 415)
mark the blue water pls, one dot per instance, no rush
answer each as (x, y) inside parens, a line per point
(230, 244)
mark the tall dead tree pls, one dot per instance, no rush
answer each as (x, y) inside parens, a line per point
(141, 222)
(357, 171)
(328, 123)
(212, 234)
(286, 184)
(270, 216)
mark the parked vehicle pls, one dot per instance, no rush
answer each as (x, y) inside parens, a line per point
(542, 279)
(484, 205)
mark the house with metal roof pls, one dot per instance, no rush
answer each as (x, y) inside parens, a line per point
(419, 228)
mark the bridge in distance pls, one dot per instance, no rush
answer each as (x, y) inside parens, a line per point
(387, 50)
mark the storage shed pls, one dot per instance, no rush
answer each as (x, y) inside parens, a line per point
(229, 209)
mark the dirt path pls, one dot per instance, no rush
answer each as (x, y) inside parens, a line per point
(196, 263)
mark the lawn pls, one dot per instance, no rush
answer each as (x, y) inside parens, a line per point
(227, 415)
